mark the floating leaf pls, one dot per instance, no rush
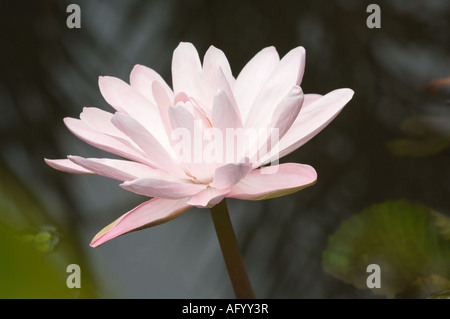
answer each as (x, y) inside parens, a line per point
(427, 287)
(441, 295)
(442, 223)
(429, 125)
(431, 136)
(417, 148)
(401, 237)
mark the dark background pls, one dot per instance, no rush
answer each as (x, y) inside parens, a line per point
(49, 71)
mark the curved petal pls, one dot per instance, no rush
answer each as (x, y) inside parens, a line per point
(66, 165)
(274, 181)
(310, 98)
(153, 149)
(224, 115)
(163, 101)
(288, 73)
(215, 65)
(312, 118)
(226, 86)
(187, 137)
(142, 78)
(230, 174)
(252, 77)
(115, 168)
(129, 101)
(282, 119)
(124, 98)
(103, 141)
(101, 121)
(163, 188)
(215, 60)
(287, 111)
(150, 213)
(181, 117)
(208, 197)
(187, 71)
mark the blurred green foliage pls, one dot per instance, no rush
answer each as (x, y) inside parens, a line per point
(34, 257)
(24, 273)
(406, 239)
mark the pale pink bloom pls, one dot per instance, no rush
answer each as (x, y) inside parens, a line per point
(266, 93)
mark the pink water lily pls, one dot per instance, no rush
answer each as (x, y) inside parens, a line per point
(265, 94)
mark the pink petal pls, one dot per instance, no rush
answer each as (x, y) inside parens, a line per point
(226, 117)
(115, 168)
(252, 78)
(310, 98)
(215, 64)
(142, 79)
(184, 128)
(282, 119)
(181, 117)
(123, 98)
(153, 149)
(194, 107)
(163, 188)
(182, 121)
(163, 102)
(127, 100)
(312, 118)
(201, 114)
(224, 85)
(209, 197)
(193, 111)
(186, 71)
(230, 174)
(103, 141)
(101, 121)
(150, 213)
(288, 73)
(214, 61)
(224, 114)
(287, 111)
(274, 181)
(66, 165)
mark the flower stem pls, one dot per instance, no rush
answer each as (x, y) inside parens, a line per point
(231, 253)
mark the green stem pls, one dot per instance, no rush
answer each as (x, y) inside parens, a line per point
(231, 253)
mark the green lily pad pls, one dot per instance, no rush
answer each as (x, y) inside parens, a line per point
(430, 134)
(430, 287)
(443, 224)
(418, 147)
(441, 295)
(404, 238)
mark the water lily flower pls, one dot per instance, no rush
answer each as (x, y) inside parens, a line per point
(150, 117)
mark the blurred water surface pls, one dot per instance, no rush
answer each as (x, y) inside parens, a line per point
(49, 72)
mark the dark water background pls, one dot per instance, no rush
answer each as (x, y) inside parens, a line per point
(49, 72)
